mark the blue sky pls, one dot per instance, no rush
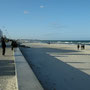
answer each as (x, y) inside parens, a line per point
(46, 19)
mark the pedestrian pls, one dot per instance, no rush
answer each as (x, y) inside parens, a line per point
(82, 47)
(12, 45)
(78, 46)
(3, 44)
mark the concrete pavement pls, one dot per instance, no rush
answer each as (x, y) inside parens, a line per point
(8, 78)
(15, 73)
(26, 78)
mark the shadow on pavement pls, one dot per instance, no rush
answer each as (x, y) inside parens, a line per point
(53, 73)
(7, 67)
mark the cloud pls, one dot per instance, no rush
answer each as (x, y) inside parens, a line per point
(42, 6)
(3, 27)
(26, 12)
(57, 25)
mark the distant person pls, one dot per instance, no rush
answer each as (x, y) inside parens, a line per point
(82, 47)
(3, 44)
(78, 46)
(49, 42)
(13, 44)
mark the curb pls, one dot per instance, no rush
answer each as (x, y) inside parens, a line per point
(15, 70)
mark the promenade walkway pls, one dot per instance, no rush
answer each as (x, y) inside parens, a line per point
(26, 78)
(8, 78)
(15, 73)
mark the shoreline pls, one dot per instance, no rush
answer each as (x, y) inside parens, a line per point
(58, 46)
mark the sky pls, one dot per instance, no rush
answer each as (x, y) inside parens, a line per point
(45, 19)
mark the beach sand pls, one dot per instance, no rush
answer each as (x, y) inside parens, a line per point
(59, 66)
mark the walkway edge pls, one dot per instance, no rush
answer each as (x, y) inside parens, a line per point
(26, 78)
(16, 71)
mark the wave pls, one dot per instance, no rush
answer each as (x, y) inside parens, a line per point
(86, 42)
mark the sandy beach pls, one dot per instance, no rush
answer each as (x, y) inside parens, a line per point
(59, 66)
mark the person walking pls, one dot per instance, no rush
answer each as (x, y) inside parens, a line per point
(78, 46)
(12, 45)
(3, 44)
(82, 47)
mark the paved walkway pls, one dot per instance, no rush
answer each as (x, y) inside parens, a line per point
(8, 78)
(26, 78)
(11, 71)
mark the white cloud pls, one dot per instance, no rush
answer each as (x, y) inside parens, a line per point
(42, 6)
(57, 25)
(26, 12)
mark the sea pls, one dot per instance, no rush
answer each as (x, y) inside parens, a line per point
(85, 42)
